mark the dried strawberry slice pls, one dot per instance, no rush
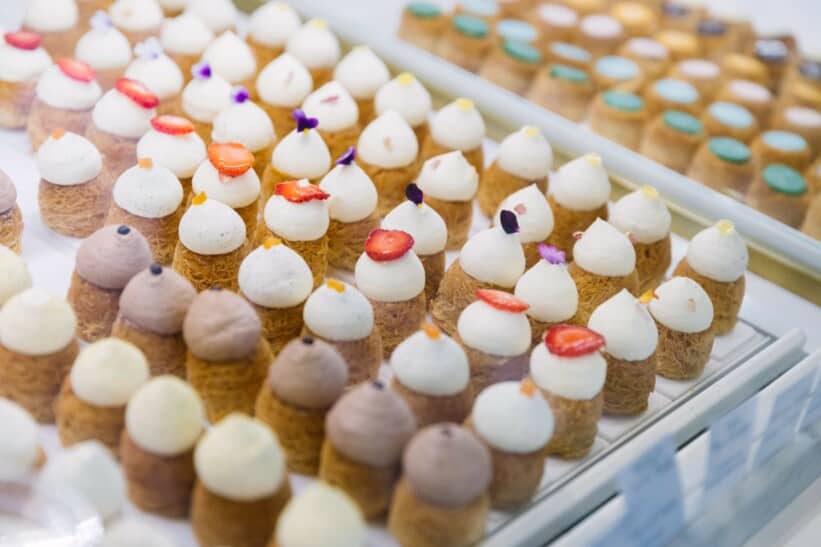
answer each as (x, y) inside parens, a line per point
(137, 92)
(297, 191)
(23, 39)
(172, 125)
(384, 245)
(572, 340)
(230, 158)
(76, 70)
(501, 300)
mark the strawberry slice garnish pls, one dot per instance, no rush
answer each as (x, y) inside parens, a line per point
(572, 340)
(501, 300)
(384, 245)
(137, 92)
(23, 39)
(297, 191)
(172, 125)
(230, 158)
(76, 70)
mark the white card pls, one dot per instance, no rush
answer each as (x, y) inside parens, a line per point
(731, 438)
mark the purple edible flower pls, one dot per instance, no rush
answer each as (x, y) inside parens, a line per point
(100, 20)
(239, 95)
(348, 157)
(414, 193)
(149, 49)
(509, 222)
(303, 122)
(201, 71)
(552, 254)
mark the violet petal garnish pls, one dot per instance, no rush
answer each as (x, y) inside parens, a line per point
(414, 193)
(348, 157)
(509, 222)
(303, 122)
(148, 49)
(201, 71)
(239, 95)
(552, 254)
(100, 20)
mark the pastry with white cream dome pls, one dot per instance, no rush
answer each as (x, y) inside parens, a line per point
(219, 15)
(17, 277)
(138, 20)
(631, 338)
(338, 114)
(450, 183)
(406, 95)
(305, 380)
(316, 47)
(184, 38)
(429, 232)
(232, 59)
(578, 195)
(269, 28)
(339, 314)
(204, 97)
(212, 244)
(64, 97)
(341, 526)
(431, 373)
(276, 281)
(173, 143)
(246, 123)
(57, 22)
(600, 33)
(524, 158)
(491, 259)
(535, 219)
(392, 277)
(716, 259)
(130, 532)
(352, 209)
(37, 349)
(11, 218)
(105, 49)
(242, 483)
(457, 126)
(569, 370)
(22, 61)
(363, 74)
(282, 85)
(91, 404)
(604, 263)
(20, 451)
(644, 216)
(753, 96)
(158, 72)
(163, 421)
(683, 313)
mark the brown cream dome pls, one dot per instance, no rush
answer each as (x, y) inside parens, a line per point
(309, 373)
(111, 256)
(221, 326)
(157, 299)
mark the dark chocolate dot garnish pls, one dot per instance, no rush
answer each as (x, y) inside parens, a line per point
(674, 10)
(378, 384)
(215, 288)
(307, 340)
(712, 28)
(123, 230)
(155, 269)
(446, 431)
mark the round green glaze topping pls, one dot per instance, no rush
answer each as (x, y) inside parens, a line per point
(621, 100)
(424, 10)
(522, 52)
(730, 150)
(470, 25)
(569, 51)
(682, 121)
(569, 73)
(785, 180)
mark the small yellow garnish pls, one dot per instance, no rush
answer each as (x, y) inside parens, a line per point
(593, 159)
(530, 131)
(318, 23)
(338, 286)
(527, 388)
(649, 192)
(406, 78)
(648, 295)
(271, 242)
(58, 133)
(464, 104)
(360, 47)
(200, 198)
(431, 330)
(145, 163)
(725, 227)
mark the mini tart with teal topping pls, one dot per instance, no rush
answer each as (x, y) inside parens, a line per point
(723, 164)
(673, 94)
(615, 72)
(620, 116)
(672, 139)
(512, 65)
(422, 23)
(465, 41)
(782, 147)
(563, 89)
(780, 192)
(723, 119)
(565, 53)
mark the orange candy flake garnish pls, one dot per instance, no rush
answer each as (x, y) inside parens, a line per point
(648, 295)
(145, 163)
(338, 286)
(527, 388)
(431, 330)
(271, 242)
(199, 199)
(58, 133)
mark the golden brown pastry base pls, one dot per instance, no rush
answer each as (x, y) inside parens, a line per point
(568, 99)
(531, 250)
(682, 355)
(161, 233)
(218, 521)
(657, 105)
(812, 221)
(367, 111)
(652, 262)
(15, 103)
(11, 229)
(95, 307)
(415, 523)
(628, 385)
(434, 272)
(422, 131)
(74, 211)
(599, 46)
(229, 386)
(263, 157)
(653, 69)
(279, 325)
(363, 356)
(458, 215)
(575, 425)
(315, 253)
(398, 320)
(623, 127)
(86, 9)
(203, 129)
(321, 75)
(185, 62)
(430, 149)
(390, 184)
(284, 122)
(300, 431)
(605, 82)
(346, 240)
(765, 155)
(671, 148)
(507, 72)
(370, 487)
(421, 32)
(137, 36)
(79, 421)
(206, 271)
(761, 110)
(44, 118)
(487, 369)
(158, 484)
(34, 381)
(715, 128)
(165, 353)
(456, 291)
(726, 297)
(790, 210)
(270, 179)
(567, 222)
(339, 141)
(812, 134)
(433, 409)
(108, 78)
(595, 289)
(119, 153)
(463, 51)
(264, 54)
(496, 184)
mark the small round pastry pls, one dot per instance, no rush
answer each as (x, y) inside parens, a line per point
(203, 98)
(138, 20)
(736, 66)
(569, 370)
(152, 308)
(512, 65)
(487, 10)
(242, 483)
(555, 20)
(316, 47)
(276, 281)
(781, 192)
(652, 56)
(782, 147)
(612, 71)
(631, 338)
(227, 357)
(269, 28)
(233, 59)
(813, 177)
(422, 24)
(57, 22)
(604, 263)
(173, 143)
(129, 532)
(227, 177)
(298, 214)
(22, 60)
(465, 41)
(219, 15)
(449, 184)
(431, 373)
(17, 277)
(407, 96)
(65, 95)
(184, 38)
(714, 38)
(388, 150)
(163, 421)
(352, 209)
(753, 96)
(683, 313)
(495, 334)
(491, 259)
(517, 453)
(342, 524)
(682, 15)
(11, 219)
(282, 85)
(549, 292)
(681, 44)
(362, 74)
(579, 191)
(703, 74)
(723, 119)
(442, 497)
(118, 120)
(37, 349)
(620, 116)
(802, 121)
(564, 53)
(457, 126)
(337, 313)
(723, 164)
(302, 154)
(672, 94)
(392, 277)
(636, 18)
(173, 8)
(716, 259)
(776, 54)
(534, 216)
(524, 158)
(339, 113)
(20, 451)
(812, 221)
(644, 215)
(672, 139)
(600, 34)
(105, 49)
(91, 404)
(563, 89)
(801, 93)
(305, 380)
(105, 263)
(429, 233)
(158, 72)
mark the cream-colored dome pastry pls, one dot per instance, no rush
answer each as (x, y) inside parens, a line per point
(457, 126)
(57, 22)
(105, 49)
(317, 48)
(158, 72)
(334, 106)
(204, 97)
(406, 95)
(17, 277)
(343, 526)
(363, 74)
(11, 218)
(449, 183)
(173, 143)
(219, 15)
(282, 85)
(246, 123)
(535, 219)
(184, 38)
(269, 28)
(22, 60)
(230, 57)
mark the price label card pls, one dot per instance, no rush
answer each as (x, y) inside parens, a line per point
(731, 438)
(813, 413)
(784, 417)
